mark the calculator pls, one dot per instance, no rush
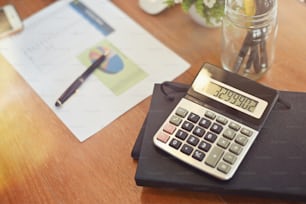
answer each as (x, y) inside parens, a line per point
(214, 125)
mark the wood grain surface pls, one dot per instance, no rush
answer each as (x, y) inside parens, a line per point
(42, 162)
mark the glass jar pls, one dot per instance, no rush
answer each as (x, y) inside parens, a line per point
(249, 34)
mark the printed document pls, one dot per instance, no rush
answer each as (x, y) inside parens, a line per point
(62, 40)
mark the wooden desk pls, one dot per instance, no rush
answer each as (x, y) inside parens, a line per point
(42, 162)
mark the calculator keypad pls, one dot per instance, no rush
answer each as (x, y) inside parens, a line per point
(205, 139)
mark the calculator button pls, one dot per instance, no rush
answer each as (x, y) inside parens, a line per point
(169, 128)
(224, 143)
(204, 146)
(210, 114)
(234, 126)
(246, 132)
(175, 143)
(193, 140)
(229, 133)
(216, 128)
(211, 137)
(205, 123)
(175, 120)
(229, 158)
(187, 126)
(235, 148)
(198, 131)
(163, 137)
(206, 138)
(223, 167)
(187, 149)
(222, 120)
(214, 156)
(181, 112)
(193, 117)
(181, 134)
(242, 140)
(198, 155)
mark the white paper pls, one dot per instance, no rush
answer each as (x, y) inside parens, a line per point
(48, 54)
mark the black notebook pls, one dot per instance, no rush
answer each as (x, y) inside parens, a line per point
(274, 166)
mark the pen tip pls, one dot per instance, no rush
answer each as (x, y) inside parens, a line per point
(106, 52)
(58, 103)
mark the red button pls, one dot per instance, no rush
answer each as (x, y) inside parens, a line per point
(163, 137)
(169, 128)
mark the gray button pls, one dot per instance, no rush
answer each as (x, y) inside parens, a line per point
(214, 156)
(234, 126)
(224, 143)
(242, 140)
(246, 132)
(235, 148)
(229, 158)
(229, 133)
(210, 114)
(175, 120)
(221, 120)
(181, 112)
(223, 167)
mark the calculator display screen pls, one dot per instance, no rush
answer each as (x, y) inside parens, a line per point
(229, 95)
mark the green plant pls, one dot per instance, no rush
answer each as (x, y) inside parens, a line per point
(205, 8)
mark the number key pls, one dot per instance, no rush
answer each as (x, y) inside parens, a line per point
(181, 134)
(205, 123)
(187, 126)
(175, 143)
(193, 140)
(198, 131)
(216, 128)
(204, 146)
(211, 137)
(193, 117)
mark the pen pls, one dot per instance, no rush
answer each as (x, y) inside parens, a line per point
(80, 80)
(257, 39)
(264, 6)
(263, 54)
(257, 65)
(251, 59)
(243, 52)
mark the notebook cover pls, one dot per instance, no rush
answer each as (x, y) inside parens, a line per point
(274, 166)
